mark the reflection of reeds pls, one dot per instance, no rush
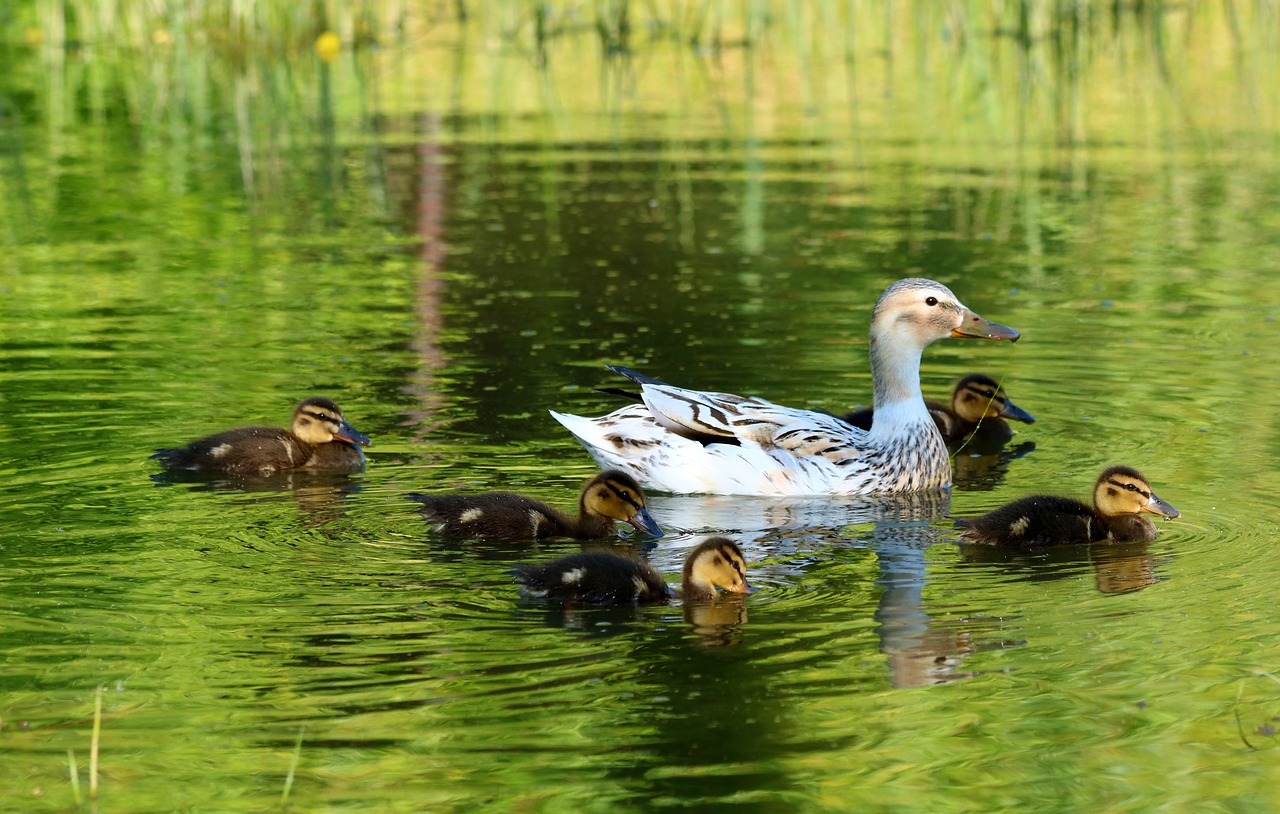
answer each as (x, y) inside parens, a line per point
(73, 769)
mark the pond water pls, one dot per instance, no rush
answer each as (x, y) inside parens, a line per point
(450, 229)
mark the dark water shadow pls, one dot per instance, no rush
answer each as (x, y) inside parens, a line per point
(1118, 568)
(974, 469)
(320, 496)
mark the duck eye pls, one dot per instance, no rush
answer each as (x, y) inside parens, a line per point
(930, 300)
(1131, 487)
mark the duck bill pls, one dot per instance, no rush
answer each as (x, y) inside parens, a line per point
(975, 327)
(1013, 412)
(1157, 506)
(740, 588)
(645, 524)
(351, 435)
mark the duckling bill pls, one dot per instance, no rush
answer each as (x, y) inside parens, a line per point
(1121, 496)
(606, 578)
(610, 497)
(319, 438)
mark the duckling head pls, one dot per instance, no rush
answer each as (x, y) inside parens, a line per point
(978, 396)
(616, 495)
(319, 421)
(1123, 490)
(715, 563)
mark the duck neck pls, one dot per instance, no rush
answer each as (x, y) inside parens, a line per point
(895, 380)
(691, 588)
(589, 525)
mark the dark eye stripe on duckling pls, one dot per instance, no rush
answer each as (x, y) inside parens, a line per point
(1132, 487)
(624, 495)
(318, 416)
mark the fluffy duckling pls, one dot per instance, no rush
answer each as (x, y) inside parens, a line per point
(977, 412)
(310, 444)
(605, 577)
(1119, 497)
(610, 496)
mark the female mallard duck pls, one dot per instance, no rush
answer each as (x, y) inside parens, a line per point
(977, 412)
(317, 424)
(602, 576)
(690, 442)
(609, 497)
(1119, 497)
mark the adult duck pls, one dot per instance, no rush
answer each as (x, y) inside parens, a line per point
(319, 438)
(691, 442)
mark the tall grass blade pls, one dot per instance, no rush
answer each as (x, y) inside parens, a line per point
(293, 766)
(93, 744)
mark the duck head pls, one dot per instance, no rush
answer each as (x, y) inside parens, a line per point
(919, 312)
(1123, 490)
(617, 495)
(977, 396)
(319, 421)
(714, 564)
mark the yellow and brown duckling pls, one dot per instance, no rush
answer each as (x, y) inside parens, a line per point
(1120, 497)
(978, 408)
(610, 497)
(605, 577)
(319, 438)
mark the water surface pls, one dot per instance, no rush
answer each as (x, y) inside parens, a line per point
(450, 235)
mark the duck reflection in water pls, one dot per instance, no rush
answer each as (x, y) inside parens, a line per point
(320, 496)
(1118, 568)
(921, 651)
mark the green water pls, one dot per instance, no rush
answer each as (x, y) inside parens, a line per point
(450, 235)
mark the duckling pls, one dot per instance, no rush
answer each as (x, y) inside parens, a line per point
(1119, 496)
(610, 496)
(977, 412)
(605, 577)
(317, 423)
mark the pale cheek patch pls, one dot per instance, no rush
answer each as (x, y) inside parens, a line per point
(470, 515)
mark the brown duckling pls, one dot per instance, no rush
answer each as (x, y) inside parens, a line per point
(605, 577)
(320, 438)
(609, 497)
(1119, 497)
(977, 412)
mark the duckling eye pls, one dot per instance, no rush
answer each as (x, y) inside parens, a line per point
(1131, 487)
(930, 300)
